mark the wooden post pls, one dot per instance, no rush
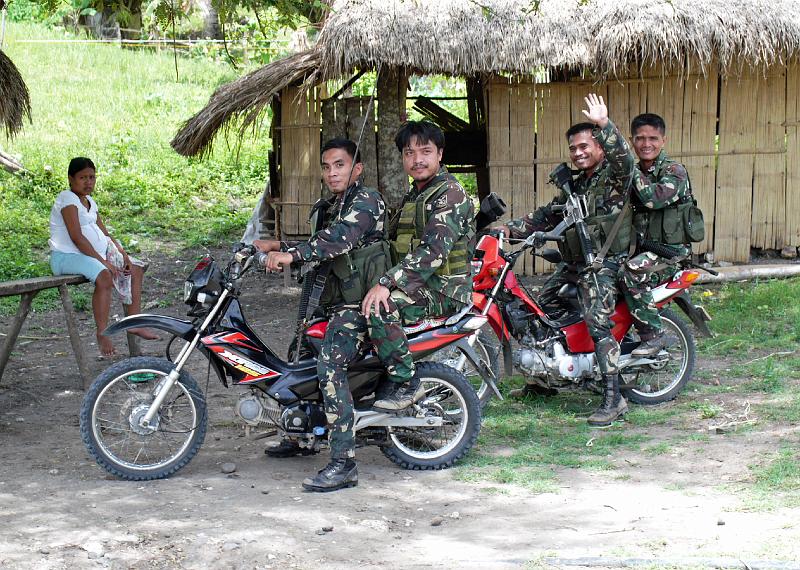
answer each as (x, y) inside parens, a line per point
(16, 326)
(74, 336)
(392, 179)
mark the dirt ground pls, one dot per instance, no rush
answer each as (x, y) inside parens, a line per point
(58, 509)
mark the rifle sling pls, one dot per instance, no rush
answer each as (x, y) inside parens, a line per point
(598, 261)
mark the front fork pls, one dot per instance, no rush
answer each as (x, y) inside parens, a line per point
(482, 367)
(165, 384)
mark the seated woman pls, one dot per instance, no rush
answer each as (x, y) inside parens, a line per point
(80, 243)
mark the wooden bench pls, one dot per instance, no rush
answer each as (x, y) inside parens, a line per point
(28, 289)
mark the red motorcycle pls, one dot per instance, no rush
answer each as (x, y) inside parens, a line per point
(554, 348)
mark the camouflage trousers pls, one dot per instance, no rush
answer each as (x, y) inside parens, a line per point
(343, 341)
(597, 297)
(386, 329)
(636, 277)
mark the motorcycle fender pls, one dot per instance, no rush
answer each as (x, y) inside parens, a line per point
(478, 364)
(697, 315)
(177, 327)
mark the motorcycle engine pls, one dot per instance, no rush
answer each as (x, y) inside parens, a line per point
(255, 408)
(303, 418)
(551, 360)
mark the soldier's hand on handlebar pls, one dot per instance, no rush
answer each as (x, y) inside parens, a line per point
(537, 240)
(502, 229)
(277, 260)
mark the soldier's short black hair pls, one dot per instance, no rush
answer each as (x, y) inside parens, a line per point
(424, 131)
(648, 120)
(579, 128)
(79, 163)
(340, 142)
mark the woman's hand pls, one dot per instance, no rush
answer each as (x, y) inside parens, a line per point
(126, 263)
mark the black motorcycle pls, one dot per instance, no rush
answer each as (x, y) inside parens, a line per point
(145, 418)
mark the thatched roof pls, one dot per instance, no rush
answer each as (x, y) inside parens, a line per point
(464, 37)
(243, 101)
(467, 37)
(15, 101)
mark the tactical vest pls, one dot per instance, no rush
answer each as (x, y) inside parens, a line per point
(411, 227)
(352, 274)
(599, 228)
(679, 223)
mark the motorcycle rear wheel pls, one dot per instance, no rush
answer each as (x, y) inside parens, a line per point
(661, 383)
(448, 395)
(115, 402)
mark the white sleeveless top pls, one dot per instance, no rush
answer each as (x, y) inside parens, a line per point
(59, 236)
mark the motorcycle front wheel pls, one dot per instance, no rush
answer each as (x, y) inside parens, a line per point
(672, 368)
(449, 397)
(111, 413)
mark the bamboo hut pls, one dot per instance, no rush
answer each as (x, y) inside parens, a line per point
(724, 74)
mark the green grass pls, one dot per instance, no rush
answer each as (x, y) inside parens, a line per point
(758, 314)
(776, 481)
(121, 108)
(535, 437)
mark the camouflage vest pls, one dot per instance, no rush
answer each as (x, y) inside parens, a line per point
(598, 223)
(411, 227)
(679, 223)
(352, 274)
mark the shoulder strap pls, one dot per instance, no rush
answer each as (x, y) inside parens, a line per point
(598, 261)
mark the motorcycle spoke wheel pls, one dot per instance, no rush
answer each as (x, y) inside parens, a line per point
(111, 421)
(663, 380)
(450, 398)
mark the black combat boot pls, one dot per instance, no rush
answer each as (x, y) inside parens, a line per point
(613, 406)
(338, 474)
(287, 448)
(402, 396)
(529, 390)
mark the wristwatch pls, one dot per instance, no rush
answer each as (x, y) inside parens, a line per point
(386, 282)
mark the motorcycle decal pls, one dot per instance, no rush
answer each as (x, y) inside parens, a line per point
(253, 369)
(234, 338)
(423, 325)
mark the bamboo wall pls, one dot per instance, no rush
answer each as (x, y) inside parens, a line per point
(301, 184)
(738, 138)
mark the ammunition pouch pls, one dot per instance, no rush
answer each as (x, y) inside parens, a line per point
(678, 224)
(356, 272)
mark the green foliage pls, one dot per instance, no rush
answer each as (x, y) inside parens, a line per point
(777, 482)
(121, 108)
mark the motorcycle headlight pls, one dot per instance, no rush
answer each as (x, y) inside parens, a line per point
(187, 290)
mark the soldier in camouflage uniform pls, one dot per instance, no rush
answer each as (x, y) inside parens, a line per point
(356, 228)
(433, 241)
(606, 163)
(661, 184)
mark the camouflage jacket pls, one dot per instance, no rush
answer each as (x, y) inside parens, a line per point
(449, 217)
(661, 185)
(359, 223)
(608, 185)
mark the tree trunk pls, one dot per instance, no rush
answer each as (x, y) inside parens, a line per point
(392, 179)
(211, 27)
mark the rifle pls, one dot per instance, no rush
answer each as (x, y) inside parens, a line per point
(575, 211)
